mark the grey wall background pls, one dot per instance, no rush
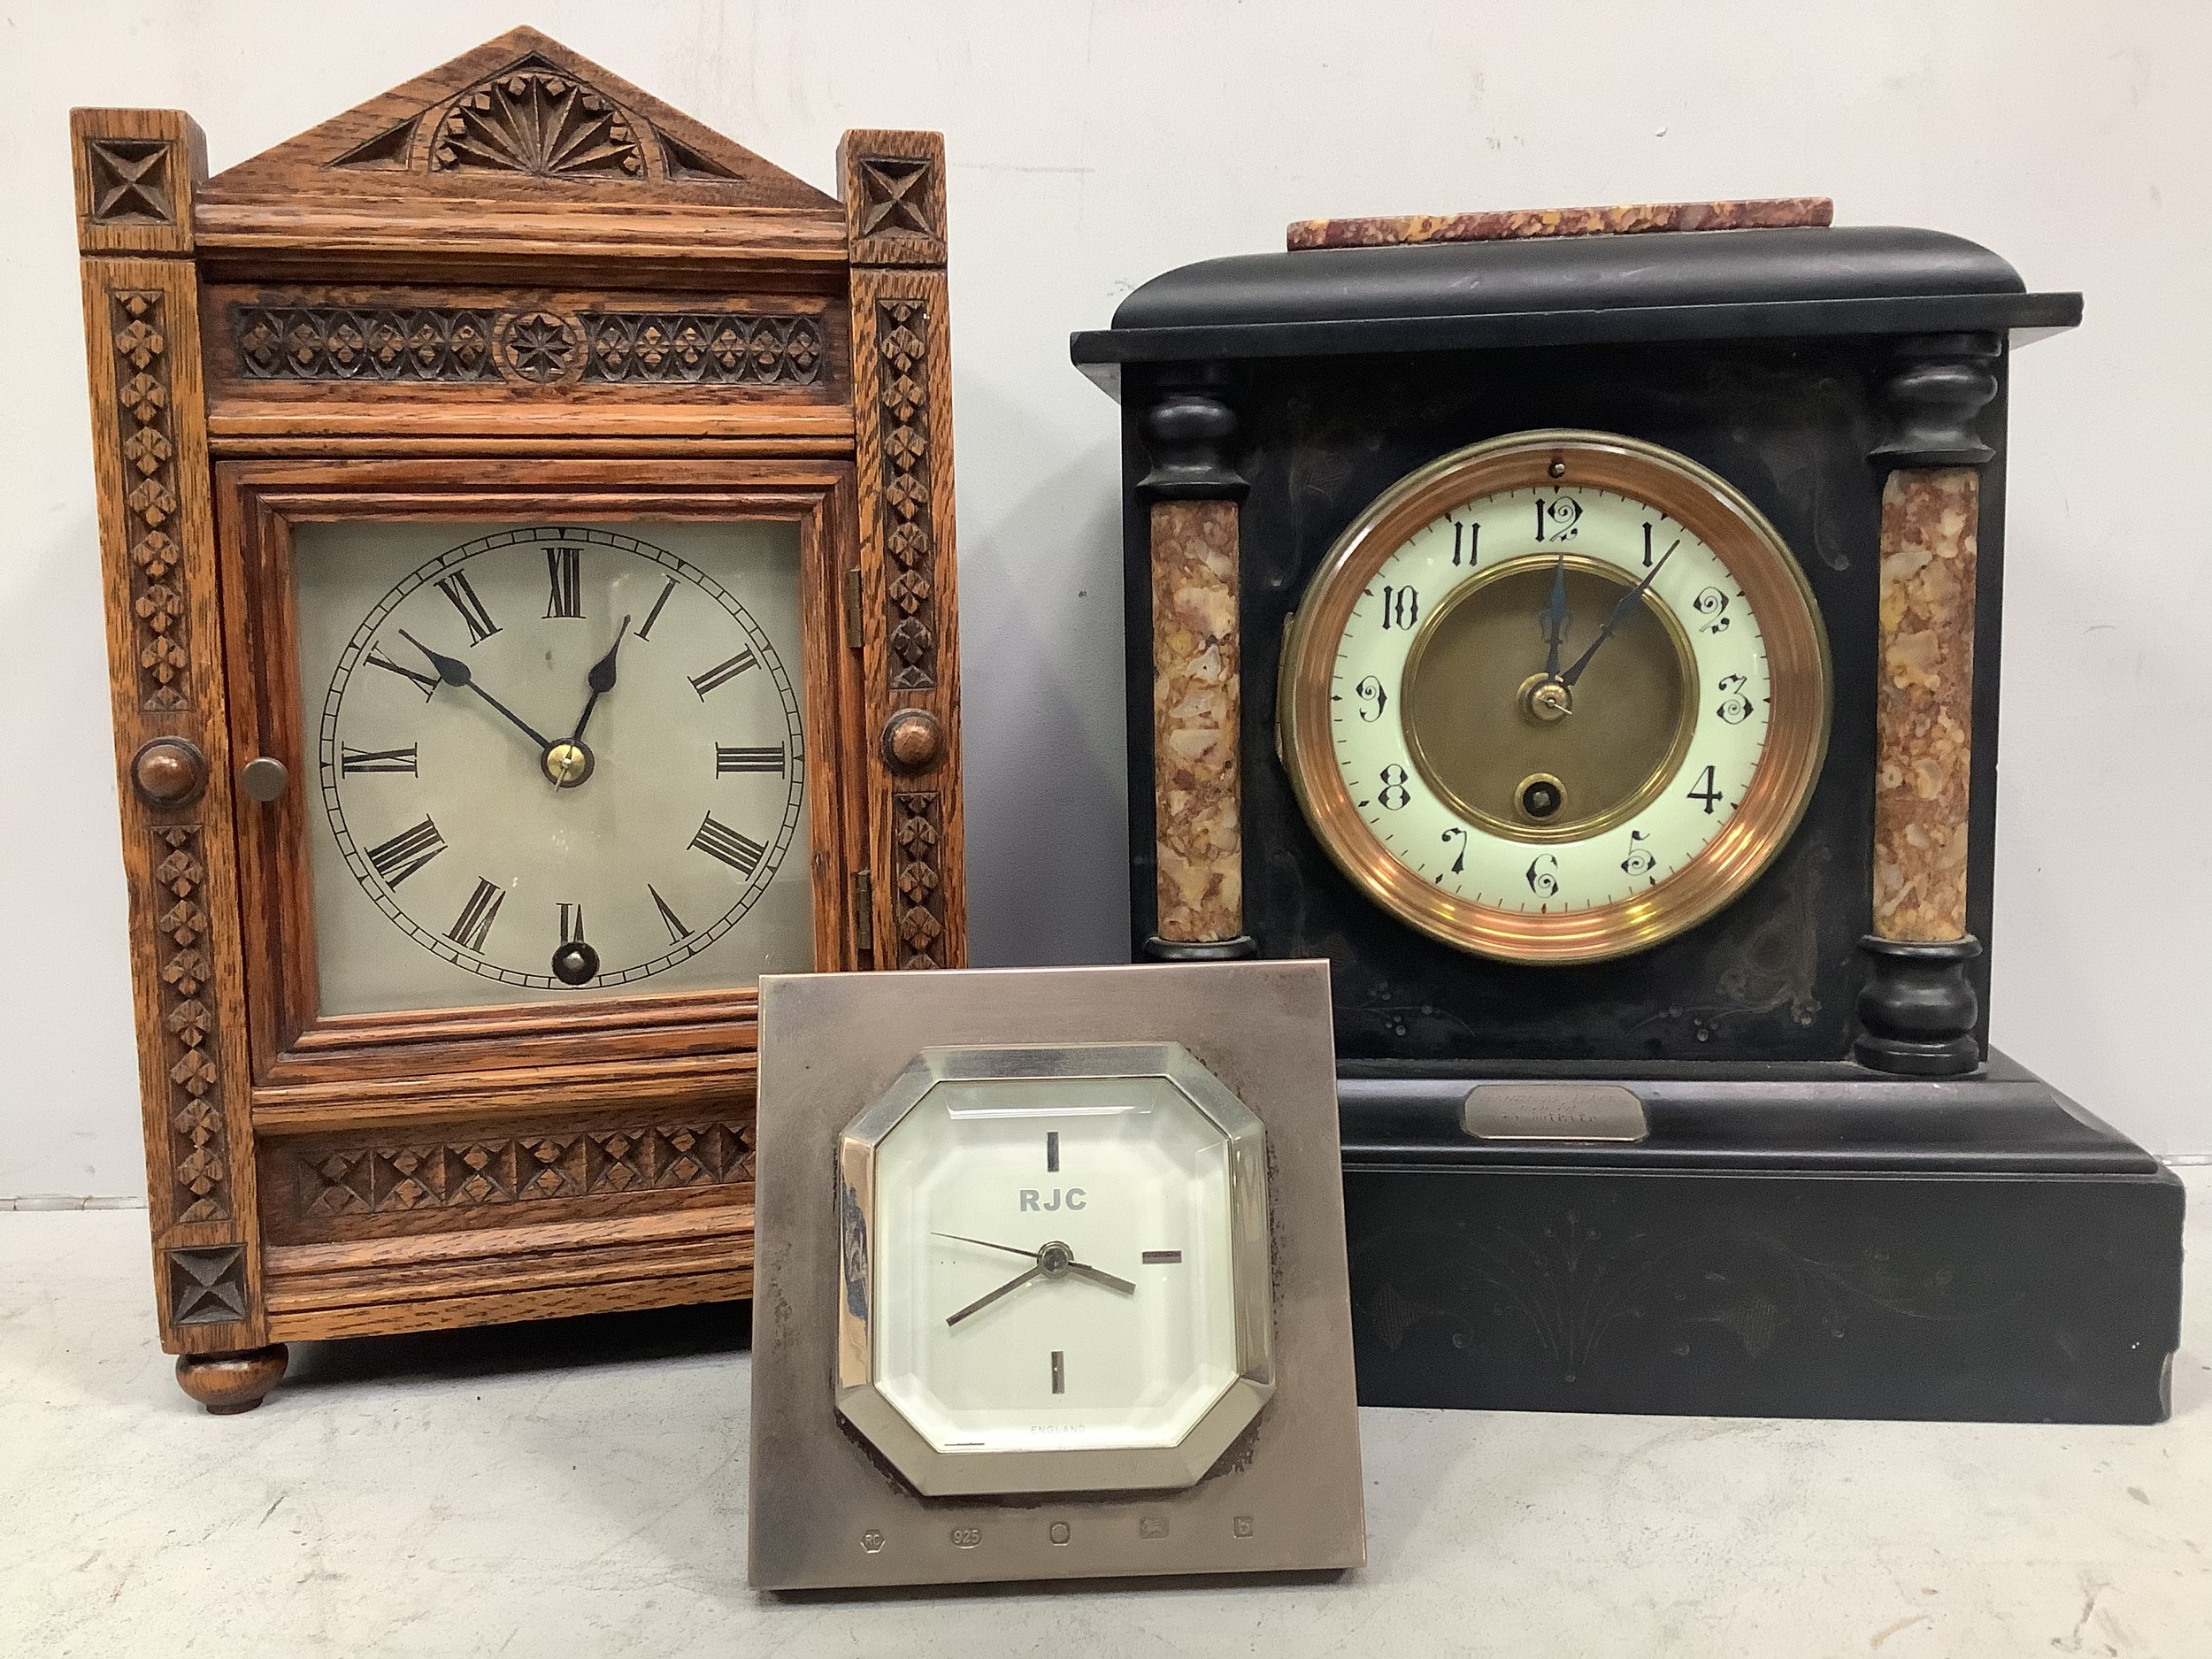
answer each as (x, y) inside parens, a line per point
(1093, 146)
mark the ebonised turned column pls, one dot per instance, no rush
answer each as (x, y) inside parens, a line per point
(1197, 795)
(1917, 1011)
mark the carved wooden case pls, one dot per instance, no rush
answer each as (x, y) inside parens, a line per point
(515, 286)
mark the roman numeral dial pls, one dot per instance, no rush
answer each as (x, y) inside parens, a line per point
(357, 760)
(407, 852)
(554, 761)
(564, 576)
(474, 618)
(722, 673)
(718, 841)
(474, 926)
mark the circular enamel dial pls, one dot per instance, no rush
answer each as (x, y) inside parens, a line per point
(561, 758)
(1053, 1266)
(1556, 697)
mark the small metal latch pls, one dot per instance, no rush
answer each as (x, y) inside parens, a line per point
(864, 911)
(853, 635)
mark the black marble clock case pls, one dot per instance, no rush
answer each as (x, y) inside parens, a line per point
(1798, 1234)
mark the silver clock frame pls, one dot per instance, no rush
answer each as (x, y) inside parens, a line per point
(941, 1474)
(827, 1508)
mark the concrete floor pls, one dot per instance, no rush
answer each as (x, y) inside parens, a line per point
(578, 1491)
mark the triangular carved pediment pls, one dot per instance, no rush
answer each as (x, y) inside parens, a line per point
(521, 116)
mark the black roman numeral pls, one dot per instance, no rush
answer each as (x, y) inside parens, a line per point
(407, 852)
(564, 576)
(475, 920)
(727, 759)
(572, 923)
(352, 760)
(718, 840)
(478, 620)
(428, 682)
(677, 932)
(654, 615)
(721, 673)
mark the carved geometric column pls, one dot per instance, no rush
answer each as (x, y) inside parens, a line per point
(1917, 1011)
(1196, 689)
(137, 172)
(893, 189)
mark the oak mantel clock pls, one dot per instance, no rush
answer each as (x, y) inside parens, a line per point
(527, 519)
(1582, 627)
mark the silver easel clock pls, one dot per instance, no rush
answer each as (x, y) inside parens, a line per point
(1052, 1280)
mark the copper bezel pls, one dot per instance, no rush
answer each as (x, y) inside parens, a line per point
(1797, 660)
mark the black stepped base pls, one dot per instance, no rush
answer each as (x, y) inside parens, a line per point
(1789, 1241)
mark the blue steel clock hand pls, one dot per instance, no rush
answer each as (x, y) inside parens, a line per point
(1556, 618)
(1619, 616)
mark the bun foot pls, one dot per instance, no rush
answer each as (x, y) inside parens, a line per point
(227, 1383)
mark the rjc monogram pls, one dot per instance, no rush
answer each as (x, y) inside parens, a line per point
(1072, 1199)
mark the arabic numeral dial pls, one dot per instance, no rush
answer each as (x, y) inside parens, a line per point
(1555, 696)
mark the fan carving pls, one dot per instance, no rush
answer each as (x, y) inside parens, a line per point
(537, 122)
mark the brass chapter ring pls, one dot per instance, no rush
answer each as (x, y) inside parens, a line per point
(169, 772)
(913, 740)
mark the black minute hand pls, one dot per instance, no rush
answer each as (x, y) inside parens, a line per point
(1555, 617)
(454, 672)
(1620, 615)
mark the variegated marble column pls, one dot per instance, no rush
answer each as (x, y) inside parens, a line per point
(1917, 1011)
(1198, 832)
(1925, 714)
(1195, 726)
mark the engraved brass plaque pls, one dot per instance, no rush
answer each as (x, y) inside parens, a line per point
(1554, 1112)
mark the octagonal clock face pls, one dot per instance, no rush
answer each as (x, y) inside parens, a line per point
(1053, 1272)
(1556, 697)
(552, 760)
(1064, 1277)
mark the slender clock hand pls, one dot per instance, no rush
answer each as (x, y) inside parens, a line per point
(1052, 1265)
(1620, 615)
(454, 672)
(982, 1302)
(1097, 1277)
(1555, 617)
(986, 1244)
(601, 679)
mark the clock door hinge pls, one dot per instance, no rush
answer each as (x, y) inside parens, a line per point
(853, 634)
(864, 913)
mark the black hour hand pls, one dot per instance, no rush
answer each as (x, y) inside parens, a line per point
(602, 675)
(600, 680)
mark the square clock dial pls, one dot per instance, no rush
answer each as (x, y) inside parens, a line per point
(552, 759)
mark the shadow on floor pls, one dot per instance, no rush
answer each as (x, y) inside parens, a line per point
(599, 1339)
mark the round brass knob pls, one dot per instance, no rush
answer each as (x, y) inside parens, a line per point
(169, 772)
(264, 778)
(913, 740)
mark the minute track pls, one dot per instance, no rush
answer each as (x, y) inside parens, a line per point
(687, 919)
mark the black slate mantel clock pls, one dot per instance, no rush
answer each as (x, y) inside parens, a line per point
(1582, 629)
